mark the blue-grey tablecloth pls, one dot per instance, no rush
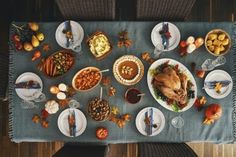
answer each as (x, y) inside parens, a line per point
(23, 129)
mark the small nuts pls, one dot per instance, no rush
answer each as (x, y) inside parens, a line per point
(98, 109)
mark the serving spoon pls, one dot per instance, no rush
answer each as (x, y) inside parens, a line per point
(105, 70)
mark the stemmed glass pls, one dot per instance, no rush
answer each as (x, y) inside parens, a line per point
(159, 48)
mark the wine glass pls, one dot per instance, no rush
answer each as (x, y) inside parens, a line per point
(159, 48)
(177, 122)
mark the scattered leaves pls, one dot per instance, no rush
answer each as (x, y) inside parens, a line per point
(200, 73)
(117, 118)
(112, 91)
(36, 118)
(63, 103)
(46, 47)
(45, 123)
(200, 102)
(124, 39)
(126, 117)
(115, 110)
(106, 80)
(146, 57)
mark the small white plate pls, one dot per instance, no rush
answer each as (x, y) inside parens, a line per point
(80, 120)
(173, 41)
(77, 31)
(158, 118)
(29, 94)
(219, 75)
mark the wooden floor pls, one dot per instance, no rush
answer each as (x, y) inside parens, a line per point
(25, 10)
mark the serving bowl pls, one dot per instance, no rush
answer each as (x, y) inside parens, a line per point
(99, 45)
(57, 64)
(87, 79)
(218, 42)
(99, 109)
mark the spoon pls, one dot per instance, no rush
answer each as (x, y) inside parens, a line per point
(101, 94)
(105, 70)
(142, 94)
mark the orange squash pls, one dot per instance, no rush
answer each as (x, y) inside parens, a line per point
(212, 113)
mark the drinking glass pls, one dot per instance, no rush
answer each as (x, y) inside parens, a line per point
(29, 104)
(210, 64)
(74, 103)
(177, 122)
(26, 104)
(40, 98)
(159, 48)
(77, 48)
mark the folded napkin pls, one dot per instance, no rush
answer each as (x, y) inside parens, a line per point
(211, 84)
(28, 85)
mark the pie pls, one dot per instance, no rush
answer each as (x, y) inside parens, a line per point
(128, 70)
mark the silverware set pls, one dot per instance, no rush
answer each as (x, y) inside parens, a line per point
(149, 121)
(72, 123)
(69, 34)
(212, 84)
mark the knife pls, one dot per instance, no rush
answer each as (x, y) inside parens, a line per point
(74, 125)
(151, 121)
(28, 85)
(145, 121)
(167, 38)
(164, 35)
(71, 122)
(68, 33)
(211, 84)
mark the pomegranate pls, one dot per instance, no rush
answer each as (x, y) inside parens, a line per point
(212, 113)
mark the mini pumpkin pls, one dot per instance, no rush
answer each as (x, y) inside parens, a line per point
(51, 106)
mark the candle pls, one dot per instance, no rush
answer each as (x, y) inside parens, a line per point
(54, 90)
(62, 87)
(61, 96)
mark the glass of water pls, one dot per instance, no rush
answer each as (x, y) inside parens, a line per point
(159, 48)
(37, 97)
(177, 122)
(74, 103)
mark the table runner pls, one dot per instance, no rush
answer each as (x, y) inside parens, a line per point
(23, 129)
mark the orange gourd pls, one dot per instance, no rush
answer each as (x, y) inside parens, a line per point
(212, 113)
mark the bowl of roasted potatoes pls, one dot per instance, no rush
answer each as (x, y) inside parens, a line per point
(86, 79)
(217, 42)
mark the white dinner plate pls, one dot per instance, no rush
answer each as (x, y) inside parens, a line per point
(158, 119)
(183, 69)
(29, 94)
(77, 31)
(80, 121)
(174, 39)
(219, 75)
